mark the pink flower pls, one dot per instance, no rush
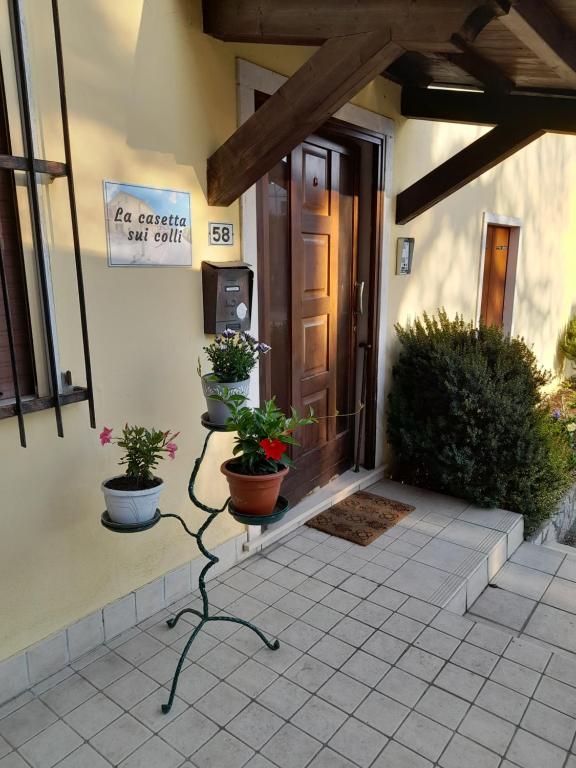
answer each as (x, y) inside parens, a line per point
(171, 449)
(105, 436)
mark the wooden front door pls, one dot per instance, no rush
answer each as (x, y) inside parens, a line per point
(309, 205)
(495, 271)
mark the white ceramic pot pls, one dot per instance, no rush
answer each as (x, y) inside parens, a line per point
(218, 412)
(131, 507)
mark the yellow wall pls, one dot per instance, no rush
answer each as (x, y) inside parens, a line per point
(150, 98)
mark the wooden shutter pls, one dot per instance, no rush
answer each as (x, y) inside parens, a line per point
(10, 243)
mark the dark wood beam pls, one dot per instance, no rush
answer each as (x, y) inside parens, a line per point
(535, 24)
(15, 163)
(480, 156)
(556, 114)
(485, 71)
(311, 23)
(327, 81)
(412, 68)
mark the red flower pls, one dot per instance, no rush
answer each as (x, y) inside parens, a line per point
(105, 436)
(274, 449)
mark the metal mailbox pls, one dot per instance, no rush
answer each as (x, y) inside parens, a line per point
(227, 295)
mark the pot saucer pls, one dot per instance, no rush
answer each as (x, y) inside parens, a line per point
(280, 510)
(205, 420)
(128, 527)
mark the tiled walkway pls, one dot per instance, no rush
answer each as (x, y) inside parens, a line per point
(366, 674)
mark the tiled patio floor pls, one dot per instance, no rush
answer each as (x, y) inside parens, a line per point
(366, 675)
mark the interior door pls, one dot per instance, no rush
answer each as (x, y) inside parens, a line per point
(495, 272)
(309, 233)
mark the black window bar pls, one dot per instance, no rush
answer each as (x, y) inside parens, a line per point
(33, 166)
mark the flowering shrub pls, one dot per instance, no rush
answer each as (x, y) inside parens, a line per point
(233, 355)
(143, 449)
(264, 435)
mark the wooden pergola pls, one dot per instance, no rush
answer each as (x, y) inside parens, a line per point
(510, 64)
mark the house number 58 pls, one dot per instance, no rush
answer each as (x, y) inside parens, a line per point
(220, 234)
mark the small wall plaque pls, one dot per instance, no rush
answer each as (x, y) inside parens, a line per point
(404, 254)
(220, 233)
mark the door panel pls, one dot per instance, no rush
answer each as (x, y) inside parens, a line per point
(495, 271)
(312, 334)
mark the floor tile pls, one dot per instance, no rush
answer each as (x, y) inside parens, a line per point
(365, 668)
(388, 598)
(553, 626)
(327, 758)
(254, 725)
(521, 580)
(106, 670)
(194, 682)
(402, 686)
(289, 748)
(358, 742)
(474, 659)
(131, 689)
(568, 569)
(313, 589)
(561, 594)
(221, 661)
(331, 651)
(395, 755)
(503, 607)
(528, 653)
(489, 638)
(94, 715)
(222, 703)
(251, 678)
(120, 738)
(487, 729)
(385, 647)
(352, 631)
(459, 681)
(436, 642)
(310, 673)
(52, 745)
(403, 627)
(382, 713)
(152, 754)
(319, 719)
(26, 722)
(549, 724)
(502, 701)
(443, 707)
(371, 614)
(341, 601)
(557, 695)
(69, 694)
(140, 648)
(451, 624)
(463, 752)
(515, 676)
(149, 711)
(421, 663)
(530, 751)
(423, 736)
(332, 575)
(84, 757)
(284, 697)
(537, 557)
(344, 692)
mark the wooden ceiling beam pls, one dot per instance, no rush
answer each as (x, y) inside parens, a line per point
(556, 114)
(412, 68)
(327, 81)
(483, 70)
(480, 156)
(535, 24)
(301, 22)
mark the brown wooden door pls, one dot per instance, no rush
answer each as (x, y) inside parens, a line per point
(309, 321)
(495, 271)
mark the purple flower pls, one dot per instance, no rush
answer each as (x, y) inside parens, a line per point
(556, 414)
(263, 348)
(228, 333)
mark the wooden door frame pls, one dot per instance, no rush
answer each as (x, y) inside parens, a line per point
(252, 78)
(514, 250)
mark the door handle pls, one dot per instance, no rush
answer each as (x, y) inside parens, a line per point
(360, 298)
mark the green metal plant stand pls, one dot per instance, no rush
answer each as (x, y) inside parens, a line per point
(204, 615)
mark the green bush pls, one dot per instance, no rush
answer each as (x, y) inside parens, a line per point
(465, 418)
(568, 343)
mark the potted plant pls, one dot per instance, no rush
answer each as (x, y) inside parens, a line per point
(260, 461)
(132, 498)
(233, 356)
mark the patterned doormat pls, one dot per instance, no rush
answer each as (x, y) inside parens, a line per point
(360, 518)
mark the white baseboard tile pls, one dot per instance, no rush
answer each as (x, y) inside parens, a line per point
(77, 642)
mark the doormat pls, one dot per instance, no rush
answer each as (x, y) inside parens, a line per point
(360, 518)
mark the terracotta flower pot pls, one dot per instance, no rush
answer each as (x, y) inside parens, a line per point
(253, 494)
